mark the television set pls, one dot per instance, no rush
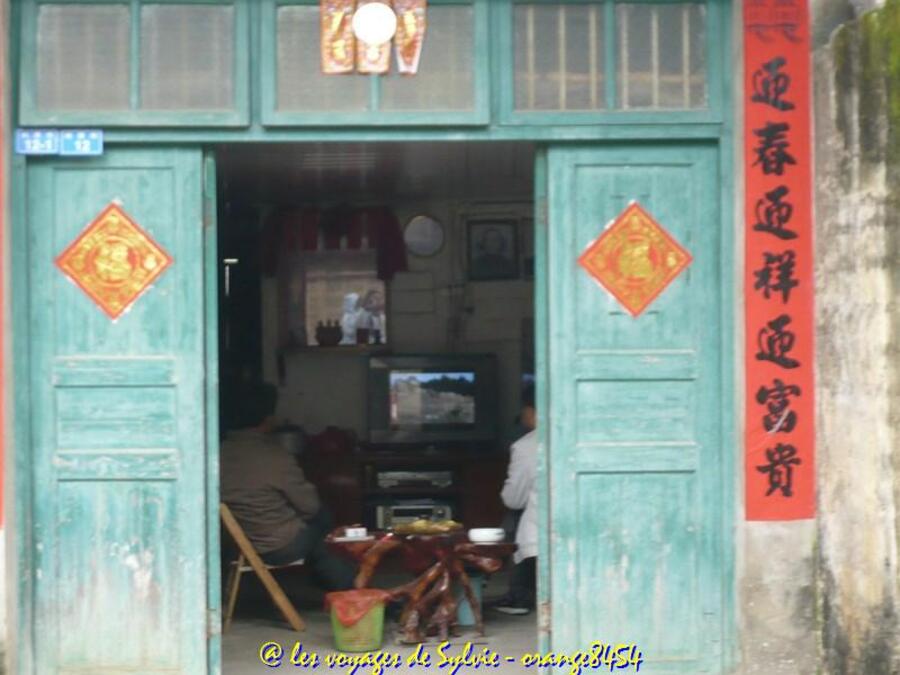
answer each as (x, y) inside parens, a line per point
(432, 399)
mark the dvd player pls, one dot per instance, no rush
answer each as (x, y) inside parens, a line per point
(393, 479)
(399, 513)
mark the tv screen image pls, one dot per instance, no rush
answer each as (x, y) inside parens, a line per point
(438, 399)
(423, 399)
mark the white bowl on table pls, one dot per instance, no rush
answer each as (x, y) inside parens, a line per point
(487, 535)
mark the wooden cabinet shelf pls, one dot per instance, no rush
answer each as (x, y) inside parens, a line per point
(417, 491)
(344, 350)
(348, 483)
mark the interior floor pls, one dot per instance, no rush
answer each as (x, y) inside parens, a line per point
(259, 623)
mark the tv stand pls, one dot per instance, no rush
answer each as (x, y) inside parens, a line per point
(467, 479)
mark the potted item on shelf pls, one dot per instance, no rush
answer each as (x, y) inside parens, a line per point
(328, 334)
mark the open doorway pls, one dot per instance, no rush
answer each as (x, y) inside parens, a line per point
(386, 291)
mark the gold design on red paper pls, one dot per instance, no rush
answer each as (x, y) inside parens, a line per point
(113, 261)
(372, 59)
(338, 45)
(635, 259)
(410, 34)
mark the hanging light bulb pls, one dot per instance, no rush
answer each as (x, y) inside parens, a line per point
(374, 23)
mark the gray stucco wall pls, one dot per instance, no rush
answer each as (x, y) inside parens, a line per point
(857, 210)
(777, 598)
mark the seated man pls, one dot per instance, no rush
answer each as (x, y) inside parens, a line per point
(270, 497)
(520, 494)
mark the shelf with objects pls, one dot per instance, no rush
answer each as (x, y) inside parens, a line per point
(382, 486)
(432, 432)
(414, 483)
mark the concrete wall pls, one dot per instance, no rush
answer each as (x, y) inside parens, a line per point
(857, 104)
(777, 609)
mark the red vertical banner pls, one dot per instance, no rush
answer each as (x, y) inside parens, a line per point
(5, 118)
(778, 286)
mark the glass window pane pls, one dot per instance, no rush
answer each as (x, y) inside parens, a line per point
(83, 57)
(696, 62)
(662, 56)
(343, 287)
(559, 57)
(187, 57)
(445, 80)
(301, 84)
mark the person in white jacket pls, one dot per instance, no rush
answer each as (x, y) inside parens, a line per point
(520, 494)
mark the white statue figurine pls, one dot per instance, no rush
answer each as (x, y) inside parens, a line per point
(349, 318)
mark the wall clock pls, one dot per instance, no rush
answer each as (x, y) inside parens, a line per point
(423, 235)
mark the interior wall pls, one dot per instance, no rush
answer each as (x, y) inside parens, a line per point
(431, 309)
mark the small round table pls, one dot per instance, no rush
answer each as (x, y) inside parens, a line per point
(437, 560)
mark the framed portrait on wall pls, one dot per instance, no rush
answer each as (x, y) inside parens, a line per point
(492, 248)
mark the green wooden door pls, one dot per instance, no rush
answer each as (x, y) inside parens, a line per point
(118, 427)
(635, 415)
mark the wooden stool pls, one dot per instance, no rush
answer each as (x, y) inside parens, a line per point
(249, 560)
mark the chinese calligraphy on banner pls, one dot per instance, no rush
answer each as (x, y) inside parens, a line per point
(780, 434)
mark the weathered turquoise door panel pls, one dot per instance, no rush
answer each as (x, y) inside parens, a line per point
(118, 427)
(213, 551)
(635, 415)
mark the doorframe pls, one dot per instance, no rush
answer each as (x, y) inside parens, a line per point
(211, 339)
(20, 557)
(21, 593)
(542, 393)
(18, 476)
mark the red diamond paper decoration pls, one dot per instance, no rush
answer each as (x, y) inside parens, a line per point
(113, 261)
(635, 259)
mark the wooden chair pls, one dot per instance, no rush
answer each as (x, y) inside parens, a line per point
(248, 560)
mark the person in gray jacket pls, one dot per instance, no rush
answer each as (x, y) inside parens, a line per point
(265, 488)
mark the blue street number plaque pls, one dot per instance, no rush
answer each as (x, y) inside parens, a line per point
(37, 142)
(68, 142)
(83, 142)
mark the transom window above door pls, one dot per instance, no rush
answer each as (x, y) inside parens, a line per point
(135, 62)
(258, 64)
(449, 87)
(572, 61)
(609, 56)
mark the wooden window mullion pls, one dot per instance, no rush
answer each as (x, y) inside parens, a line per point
(609, 54)
(134, 84)
(594, 47)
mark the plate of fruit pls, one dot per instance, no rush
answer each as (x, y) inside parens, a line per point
(425, 527)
